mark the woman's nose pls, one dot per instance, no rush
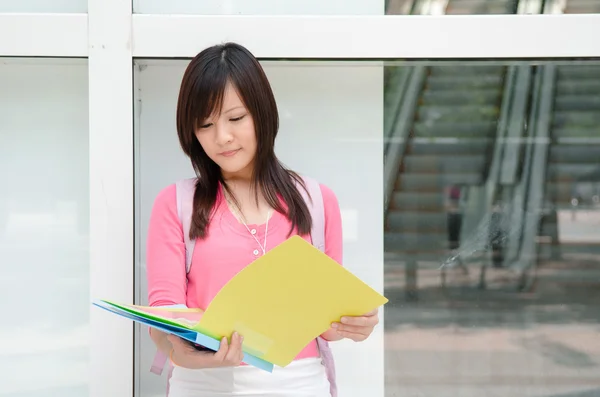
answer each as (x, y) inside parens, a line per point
(224, 134)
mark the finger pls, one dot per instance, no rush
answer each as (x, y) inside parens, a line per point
(223, 349)
(240, 357)
(354, 329)
(356, 321)
(241, 353)
(372, 313)
(360, 321)
(353, 336)
(233, 354)
(232, 351)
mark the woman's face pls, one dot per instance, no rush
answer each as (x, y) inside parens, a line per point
(229, 138)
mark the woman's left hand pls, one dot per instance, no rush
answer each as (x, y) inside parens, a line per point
(357, 328)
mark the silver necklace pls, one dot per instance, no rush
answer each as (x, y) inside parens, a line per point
(242, 218)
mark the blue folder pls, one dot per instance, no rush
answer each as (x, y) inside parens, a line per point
(184, 333)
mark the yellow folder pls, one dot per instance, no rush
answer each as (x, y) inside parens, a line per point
(286, 298)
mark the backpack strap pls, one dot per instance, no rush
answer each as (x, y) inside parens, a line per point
(185, 189)
(160, 359)
(317, 211)
(158, 363)
(317, 235)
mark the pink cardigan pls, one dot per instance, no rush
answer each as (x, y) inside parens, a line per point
(228, 248)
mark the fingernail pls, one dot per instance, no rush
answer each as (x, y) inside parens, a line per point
(334, 325)
(344, 319)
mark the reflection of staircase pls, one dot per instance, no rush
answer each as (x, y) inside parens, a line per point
(582, 7)
(574, 153)
(481, 7)
(451, 142)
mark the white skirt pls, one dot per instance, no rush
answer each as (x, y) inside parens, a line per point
(301, 378)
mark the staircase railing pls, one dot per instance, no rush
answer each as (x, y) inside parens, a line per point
(535, 193)
(398, 77)
(529, 194)
(400, 134)
(481, 198)
(513, 147)
(519, 194)
(507, 147)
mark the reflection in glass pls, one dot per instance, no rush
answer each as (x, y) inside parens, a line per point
(484, 7)
(44, 212)
(361, 7)
(572, 6)
(451, 7)
(492, 239)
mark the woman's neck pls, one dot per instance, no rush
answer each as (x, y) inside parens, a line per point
(241, 196)
(242, 202)
(243, 176)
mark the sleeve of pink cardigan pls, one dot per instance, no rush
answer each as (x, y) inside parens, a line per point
(165, 252)
(333, 225)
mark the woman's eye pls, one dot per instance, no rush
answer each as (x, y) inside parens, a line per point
(204, 126)
(237, 118)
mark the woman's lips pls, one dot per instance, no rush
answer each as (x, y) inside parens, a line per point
(229, 153)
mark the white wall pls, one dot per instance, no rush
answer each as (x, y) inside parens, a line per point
(331, 129)
(44, 228)
(260, 7)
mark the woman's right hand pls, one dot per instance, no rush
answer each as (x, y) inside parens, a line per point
(228, 355)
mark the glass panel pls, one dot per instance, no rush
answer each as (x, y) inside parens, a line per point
(574, 6)
(462, 7)
(44, 228)
(491, 195)
(362, 7)
(492, 249)
(317, 103)
(35, 6)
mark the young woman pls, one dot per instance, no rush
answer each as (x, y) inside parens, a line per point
(246, 202)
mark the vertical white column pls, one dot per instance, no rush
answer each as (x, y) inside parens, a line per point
(111, 193)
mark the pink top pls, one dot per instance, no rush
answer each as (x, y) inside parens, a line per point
(228, 248)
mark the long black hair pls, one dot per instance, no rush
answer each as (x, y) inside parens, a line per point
(201, 94)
